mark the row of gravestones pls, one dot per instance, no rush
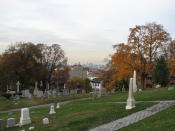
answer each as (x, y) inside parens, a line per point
(25, 118)
(50, 93)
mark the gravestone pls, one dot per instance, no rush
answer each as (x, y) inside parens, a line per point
(54, 93)
(45, 121)
(58, 105)
(59, 94)
(48, 93)
(48, 86)
(123, 89)
(170, 88)
(103, 91)
(140, 90)
(25, 118)
(26, 93)
(158, 86)
(2, 126)
(40, 93)
(72, 92)
(95, 93)
(18, 84)
(52, 110)
(83, 91)
(41, 83)
(35, 92)
(65, 92)
(130, 100)
(31, 128)
(11, 122)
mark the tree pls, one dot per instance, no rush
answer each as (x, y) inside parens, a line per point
(52, 57)
(123, 63)
(60, 77)
(146, 41)
(20, 63)
(161, 72)
(171, 57)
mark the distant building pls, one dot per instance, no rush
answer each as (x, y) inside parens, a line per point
(78, 71)
(97, 83)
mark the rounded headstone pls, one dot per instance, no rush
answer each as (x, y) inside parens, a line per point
(45, 121)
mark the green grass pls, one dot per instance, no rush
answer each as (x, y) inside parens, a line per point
(146, 95)
(162, 121)
(6, 104)
(76, 117)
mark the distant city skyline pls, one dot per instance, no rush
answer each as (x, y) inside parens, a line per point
(85, 29)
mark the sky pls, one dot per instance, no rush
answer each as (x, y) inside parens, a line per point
(85, 29)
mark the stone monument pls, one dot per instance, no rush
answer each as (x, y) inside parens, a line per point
(2, 124)
(35, 92)
(45, 121)
(131, 100)
(25, 118)
(52, 110)
(58, 105)
(134, 82)
(11, 122)
(18, 84)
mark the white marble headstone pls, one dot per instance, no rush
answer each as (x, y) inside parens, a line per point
(45, 121)
(130, 100)
(52, 110)
(25, 118)
(58, 105)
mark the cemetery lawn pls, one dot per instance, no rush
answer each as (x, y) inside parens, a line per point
(160, 94)
(6, 104)
(76, 116)
(146, 95)
(162, 121)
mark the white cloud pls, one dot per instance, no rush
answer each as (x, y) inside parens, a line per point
(86, 29)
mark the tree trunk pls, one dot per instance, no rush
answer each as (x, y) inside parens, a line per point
(142, 80)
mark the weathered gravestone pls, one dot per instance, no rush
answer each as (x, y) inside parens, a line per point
(58, 105)
(48, 93)
(18, 84)
(40, 94)
(25, 118)
(170, 88)
(52, 110)
(54, 93)
(2, 124)
(123, 89)
(11, 122)
(31, 128)
(65, 92)
(83, 91)
(103, 92)
(26, 93)
(45, 121)
(35, 92)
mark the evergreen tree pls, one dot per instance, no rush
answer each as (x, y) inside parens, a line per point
(161, 72)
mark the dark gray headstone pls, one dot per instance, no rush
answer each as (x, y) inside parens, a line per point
(2, 126)
(11, 122)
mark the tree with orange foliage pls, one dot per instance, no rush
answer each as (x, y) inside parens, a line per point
(146, 41)
(123, 63)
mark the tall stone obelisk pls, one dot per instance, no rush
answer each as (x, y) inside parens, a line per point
(134, 82)
(131, 100)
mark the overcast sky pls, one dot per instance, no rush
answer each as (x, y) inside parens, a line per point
(85, 29)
